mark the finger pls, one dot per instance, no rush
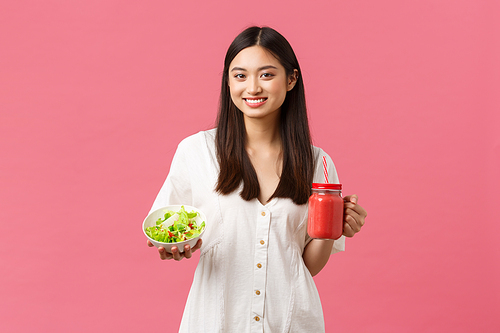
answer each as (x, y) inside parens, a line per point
(197, 245)
(360, 220)
(361, 211)
(348, 232)
(187, 251)
(352, 222)
(351, 198)
(357, 208)
(175, 253)
(150, 244)
(162, 252)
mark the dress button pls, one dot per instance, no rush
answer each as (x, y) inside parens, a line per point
(263, 213)
(257, 292)
(257, 318)
(262, 242)
(259, 265)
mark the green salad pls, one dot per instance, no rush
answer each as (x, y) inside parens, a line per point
(183, 229)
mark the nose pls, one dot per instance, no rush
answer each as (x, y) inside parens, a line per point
(253, 86)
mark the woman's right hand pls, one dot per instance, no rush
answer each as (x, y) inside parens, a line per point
(176, 255)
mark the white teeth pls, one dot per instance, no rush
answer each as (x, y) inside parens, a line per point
(256, 100)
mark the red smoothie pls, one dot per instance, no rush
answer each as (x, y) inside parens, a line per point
(326, 211)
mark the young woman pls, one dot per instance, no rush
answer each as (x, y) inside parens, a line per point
(252, 177)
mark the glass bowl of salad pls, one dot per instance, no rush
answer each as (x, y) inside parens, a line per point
(175, 225)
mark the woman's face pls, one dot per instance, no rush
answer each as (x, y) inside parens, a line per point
(258, 83)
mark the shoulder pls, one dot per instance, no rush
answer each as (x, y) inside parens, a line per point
(318, 153)
(319, 168)
(198, 148)
(199, 140)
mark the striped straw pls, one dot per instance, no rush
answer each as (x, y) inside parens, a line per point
(325, 169)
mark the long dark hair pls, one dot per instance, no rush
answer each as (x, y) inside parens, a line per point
(234, 162)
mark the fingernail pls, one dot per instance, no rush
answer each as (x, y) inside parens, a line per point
(187, 248)
(354, 199)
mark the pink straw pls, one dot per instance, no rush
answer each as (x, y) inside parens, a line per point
(325, 170)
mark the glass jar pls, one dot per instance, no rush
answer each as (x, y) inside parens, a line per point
(326, 211)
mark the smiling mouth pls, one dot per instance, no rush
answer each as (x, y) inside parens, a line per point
(255, 100)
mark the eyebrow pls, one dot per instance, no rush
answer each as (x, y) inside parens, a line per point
(258, 69)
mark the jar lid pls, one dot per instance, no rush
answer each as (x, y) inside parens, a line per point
(323, 186)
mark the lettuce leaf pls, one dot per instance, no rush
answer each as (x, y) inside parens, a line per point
(184, 228)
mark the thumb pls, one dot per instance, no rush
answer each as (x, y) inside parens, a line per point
(351, 198)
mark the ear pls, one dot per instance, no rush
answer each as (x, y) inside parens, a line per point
(292, 80)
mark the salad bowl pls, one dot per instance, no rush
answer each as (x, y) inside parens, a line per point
(174, 225)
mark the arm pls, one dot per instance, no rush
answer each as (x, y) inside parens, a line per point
(316, 254)
(176, 189)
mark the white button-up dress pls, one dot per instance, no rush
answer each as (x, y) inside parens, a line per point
(250, 276)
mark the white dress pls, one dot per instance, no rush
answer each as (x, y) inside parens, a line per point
(250, 276)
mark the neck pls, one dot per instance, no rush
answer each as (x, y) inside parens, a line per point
(262, 132)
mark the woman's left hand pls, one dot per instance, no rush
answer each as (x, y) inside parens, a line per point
(354, 215)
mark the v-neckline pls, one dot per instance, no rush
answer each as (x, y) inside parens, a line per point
(268, 204)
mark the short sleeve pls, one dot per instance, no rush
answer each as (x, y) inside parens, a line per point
(338, 244)
(319, 177)
(176, 189)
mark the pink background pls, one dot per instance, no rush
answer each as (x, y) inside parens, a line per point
(96, 95)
